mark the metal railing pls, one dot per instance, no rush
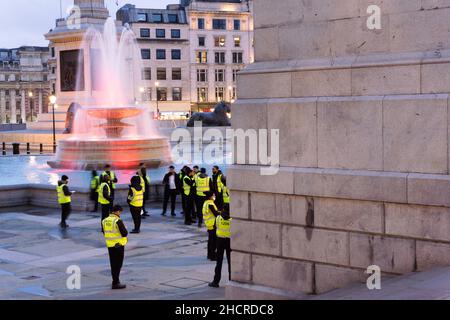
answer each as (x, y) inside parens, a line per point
(14, 148)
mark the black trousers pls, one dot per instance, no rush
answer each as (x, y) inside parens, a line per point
(219, 201)
(212, 244)
(172, 195)
(94, 197)
(200, 201)
(137, 218)
(66, 209)
(116, 256)
(183, 200)
(106, 210)
(188, 208)
(223, 245)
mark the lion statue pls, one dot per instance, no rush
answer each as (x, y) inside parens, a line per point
(218, 118)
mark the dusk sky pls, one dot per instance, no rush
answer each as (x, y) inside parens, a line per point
(24, 22)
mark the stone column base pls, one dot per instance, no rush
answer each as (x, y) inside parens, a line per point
(244, 291)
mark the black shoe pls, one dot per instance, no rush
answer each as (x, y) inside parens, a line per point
(213, 285)
(199, 225)
(188, 223)
(163, 214)
(146, 214)
(213, 259)
(135, 232)
(118, 286)
(173, 214)
(63, 225)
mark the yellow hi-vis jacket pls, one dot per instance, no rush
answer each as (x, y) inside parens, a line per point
(112, 176)
(143, 182)
(62, 198)
(208, 216)
(202, 186)
(95, 183)
(112, 233)
(186, 187)
(220, 184)
(223, 227)
(137, 200)
(101, 199)
(226, 195)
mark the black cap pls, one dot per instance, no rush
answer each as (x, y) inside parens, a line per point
(64, 178)
(209, 194)
(203, 170)
(117, 208)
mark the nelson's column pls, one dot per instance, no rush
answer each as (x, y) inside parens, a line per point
(362, 110)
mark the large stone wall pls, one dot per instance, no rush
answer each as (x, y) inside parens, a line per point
(364, 133)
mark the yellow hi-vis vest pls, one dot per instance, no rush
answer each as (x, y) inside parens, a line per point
(112, 233)
(219, 183)
(223, 227)
(112, 176)
(95, 183)
(208, 216)
(102, 199)
(137, 200)
(202, 186)
(186, 187)
(62, 198)
(226, 195)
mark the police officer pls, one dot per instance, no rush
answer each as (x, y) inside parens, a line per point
(188, 195)
(226, 195)
(180, 186)
(115, 234)
(136, 201)
(65, 200)
(210, 213)
(112, 181)
(105, 196)
(218, 186)
(223, 226)
(95, 184)
(145, 183)
(203, 185)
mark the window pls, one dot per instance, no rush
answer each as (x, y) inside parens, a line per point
(233, 94)
(175, 33)
(145, 53)
(220, 57)
(53, 70)
(201, 41)
(176, 74)
(220, 94)
(160, 33)
(173, 18)
(161, 94)
(176, 54)
(157, 18)
(161, 54)
(202, 57)
(177, 94)
(219, 41)
(237, 57)
(53, 52)
(201, 23)
(147, 94)
(142, 17)
(219, 24)
(202, 94)
(235, 74)
(145, 33)
(237, 24)
(220, 75)
(237, 41)
(147, 74)
(202, 75)
(161, 74)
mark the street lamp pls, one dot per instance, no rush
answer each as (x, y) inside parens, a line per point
(157, 100)
(30, 95)
(53, 103)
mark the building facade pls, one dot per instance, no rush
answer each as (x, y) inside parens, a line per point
(24, 83)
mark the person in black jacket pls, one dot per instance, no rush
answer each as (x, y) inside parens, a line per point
(143, 173)
(64, 199)
(188, 193)
(170, 182)
(105, 196)
(134, 197)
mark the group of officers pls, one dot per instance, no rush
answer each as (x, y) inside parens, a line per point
(204, 200)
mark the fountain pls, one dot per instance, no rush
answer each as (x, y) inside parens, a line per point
(110, 127)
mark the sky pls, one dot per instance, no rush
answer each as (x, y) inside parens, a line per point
(24, 22)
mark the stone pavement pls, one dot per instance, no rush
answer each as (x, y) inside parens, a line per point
(166, 261)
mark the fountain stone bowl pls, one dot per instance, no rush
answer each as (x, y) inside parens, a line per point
(87, 153)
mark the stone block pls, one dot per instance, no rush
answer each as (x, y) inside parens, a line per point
(415, 134)
(297, 121)
(239, 206)
(349, 184)
(427, 189)
(392, 255)
(249, 292)
(283, 274)
(421, 222)
(266, 44)
(331, 277)
(241, 266)
(350, 133)
(435, 78)
(349, 215)
(256, 237)
(250, 114)
(272, 85)
(390, 7)
(386, 80)
(291, 209)
(315, 245)
(290, 11)
(328, 10)
(432, 254)
(250, 178)
(332, 83)
(263, 207)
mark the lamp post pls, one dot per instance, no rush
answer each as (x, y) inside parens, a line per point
(53, 102)
(157, 100)
(30, 95)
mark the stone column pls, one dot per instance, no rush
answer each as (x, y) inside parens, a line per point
(23, 109)
(2, 106)
(12, 102)
(364, 163)
(40, 101)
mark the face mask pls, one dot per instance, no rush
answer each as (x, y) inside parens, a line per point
(214, 198)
